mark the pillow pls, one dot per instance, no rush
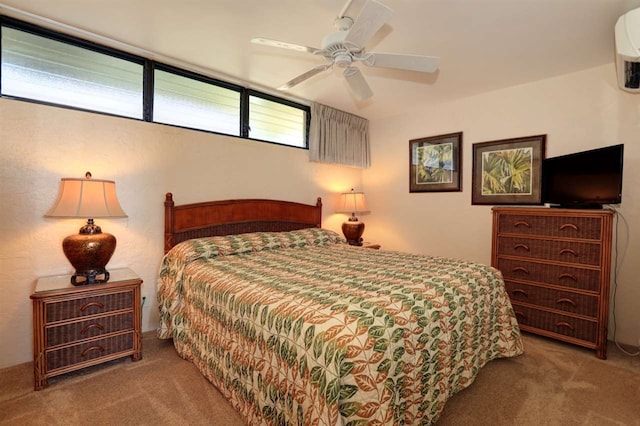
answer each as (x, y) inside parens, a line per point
(208, 247)
(319, 236)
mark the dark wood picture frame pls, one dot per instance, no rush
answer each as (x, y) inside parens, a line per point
(435, 163)
(490, 184)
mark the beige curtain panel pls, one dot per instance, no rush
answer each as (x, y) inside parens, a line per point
(338, 137)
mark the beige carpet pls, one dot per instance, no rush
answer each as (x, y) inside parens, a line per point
(552, 384)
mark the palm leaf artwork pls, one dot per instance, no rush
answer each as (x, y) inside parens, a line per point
(507, 172)
(435, 163)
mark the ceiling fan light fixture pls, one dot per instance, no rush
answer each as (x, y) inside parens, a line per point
(342, 60)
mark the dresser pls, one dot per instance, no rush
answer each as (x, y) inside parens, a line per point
(79, 326)
(556, 264)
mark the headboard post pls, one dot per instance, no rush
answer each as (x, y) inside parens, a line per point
(168, 222)
(319, 212)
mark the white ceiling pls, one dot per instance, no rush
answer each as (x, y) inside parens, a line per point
(484, 45)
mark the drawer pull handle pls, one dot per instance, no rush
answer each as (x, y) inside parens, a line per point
(521, 246)
(520, 291)
(90, 326)
(90, 304)
(520, 269)
(571, 277)
(520, 314)
(91, 348)
(569, 251)
(522, 223)
(569, 301)
(570, 226)
(564, 324)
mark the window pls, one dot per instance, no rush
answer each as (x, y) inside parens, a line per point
(188, 102)
(45, 66)
(47, 70)
(277, 122)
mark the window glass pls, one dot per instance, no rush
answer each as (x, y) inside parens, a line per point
(47, 70)
(187, 102)
(276, 122)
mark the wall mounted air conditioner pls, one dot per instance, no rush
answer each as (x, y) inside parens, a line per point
(627, 33)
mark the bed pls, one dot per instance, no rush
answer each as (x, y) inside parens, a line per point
(296, 327)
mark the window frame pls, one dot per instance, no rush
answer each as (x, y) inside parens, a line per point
(305, 108)
(198, 77)
(15, 24)
(149, 67)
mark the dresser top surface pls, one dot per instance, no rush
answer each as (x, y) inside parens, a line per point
(548, 211)
(119, 276)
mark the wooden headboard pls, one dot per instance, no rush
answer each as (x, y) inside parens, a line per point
(228, 217)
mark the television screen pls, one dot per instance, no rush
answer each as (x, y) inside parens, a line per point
(584, 179)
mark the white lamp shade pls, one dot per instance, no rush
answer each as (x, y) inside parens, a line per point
(353, 202)
(86, 198)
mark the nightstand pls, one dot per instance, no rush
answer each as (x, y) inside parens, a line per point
(80, 326)
(371, 246)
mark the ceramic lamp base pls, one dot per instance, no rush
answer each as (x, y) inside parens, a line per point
(353, 231)
(89, 254)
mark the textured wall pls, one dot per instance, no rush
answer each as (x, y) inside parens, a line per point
(578, 112)
(40, 144)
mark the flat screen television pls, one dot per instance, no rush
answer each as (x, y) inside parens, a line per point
(587, 179)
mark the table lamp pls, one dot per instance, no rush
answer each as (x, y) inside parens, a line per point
(353, 202)
(88, 251)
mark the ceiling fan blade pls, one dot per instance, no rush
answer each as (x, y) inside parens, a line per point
(357, 83)
(302, 77)
(283, 45)
(351, 8)
(371, 18)
(403, 62)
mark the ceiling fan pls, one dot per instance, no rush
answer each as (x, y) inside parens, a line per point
(345, 47)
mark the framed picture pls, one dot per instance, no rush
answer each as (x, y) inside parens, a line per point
(435, 163)
(508, 171)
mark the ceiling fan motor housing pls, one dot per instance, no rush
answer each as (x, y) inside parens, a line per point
(335, 49)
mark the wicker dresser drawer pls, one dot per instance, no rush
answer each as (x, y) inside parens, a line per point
(555, 299)
(561, 251)
(559, 275)
(88, 351)
(557, 265)
(563, 325)
(551, 225)
(80, 307)
(72, 332)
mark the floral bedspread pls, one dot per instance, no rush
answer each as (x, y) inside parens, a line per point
(300, 328)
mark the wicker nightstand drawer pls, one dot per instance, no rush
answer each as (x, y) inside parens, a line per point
(552, 225)
(531, 319)
(72, 332)
(559, 300)
(88, 351)
(561, 251)
(81, 307)
(565, 276)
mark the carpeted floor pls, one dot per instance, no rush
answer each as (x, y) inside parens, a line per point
(552, 384)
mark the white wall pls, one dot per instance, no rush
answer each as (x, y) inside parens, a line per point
(580, 111)
(40, 144)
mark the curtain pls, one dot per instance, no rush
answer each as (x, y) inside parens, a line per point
(338, 137)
